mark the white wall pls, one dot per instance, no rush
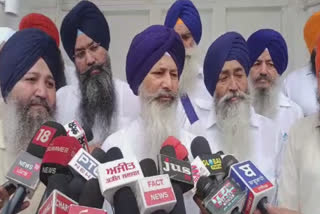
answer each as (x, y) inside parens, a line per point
(128, 17)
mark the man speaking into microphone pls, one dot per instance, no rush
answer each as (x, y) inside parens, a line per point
(154, 64)
(31, 70)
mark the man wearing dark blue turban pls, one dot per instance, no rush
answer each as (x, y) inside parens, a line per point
(229, 122)
(98, 101)
(184, 18)
(154, 65)
(269, 56)
(31, 70)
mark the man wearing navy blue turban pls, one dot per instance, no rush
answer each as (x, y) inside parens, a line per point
(229, 122)
(154, 65)
(269, 56)
(31, 70)
(184, 18)
(98, 101)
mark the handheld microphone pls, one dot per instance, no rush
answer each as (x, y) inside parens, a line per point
(179, 171)
(154, 193)
(181, 150)
(91, 194)
(58, 154)
(45, 134)
(82, 134)
(56, 203)
(223, 198)
(77, 209)
(125, 201)
(260, 189)
(116, 174)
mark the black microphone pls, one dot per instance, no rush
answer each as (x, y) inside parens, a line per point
(125, 202)
(91, 194)
(200, 146)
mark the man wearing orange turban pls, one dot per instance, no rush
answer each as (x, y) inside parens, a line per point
(300, 85)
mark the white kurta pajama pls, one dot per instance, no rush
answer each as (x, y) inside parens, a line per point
(300, 174)
(126, 110)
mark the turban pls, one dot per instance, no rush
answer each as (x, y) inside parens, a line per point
(87, 18)
(274, 42)
(188, 13)
(41, 22)
(312, 31)
(147, 48)
(318, 60)
(5, 34)
(22, 51)
(229, 46)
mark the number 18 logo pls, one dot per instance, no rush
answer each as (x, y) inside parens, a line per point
(44, 136)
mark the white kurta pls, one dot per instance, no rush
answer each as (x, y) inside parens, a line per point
(127, 107)
(6, 161)
(288, 113)
(300, 175)
(301, 86)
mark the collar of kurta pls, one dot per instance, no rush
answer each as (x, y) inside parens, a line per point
(284, 101)
(212, 118)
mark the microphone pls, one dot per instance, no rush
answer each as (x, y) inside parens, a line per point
(58, 154)
(77, 209)
(226, 197)
(91, 194)
(116, 174)
(179, 171)
(56, 203)
(250, 178)
(155, 192)
(45, 134)
(82, 134)
(180, 150)
(125, 201)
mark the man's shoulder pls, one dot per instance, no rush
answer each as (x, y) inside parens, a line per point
(67, 89)
(307, 124)
(290, 105)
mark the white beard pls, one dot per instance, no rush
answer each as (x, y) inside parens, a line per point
(190, 71)
(234, 122)
(265, 101)
(159, 120)
(19, 129)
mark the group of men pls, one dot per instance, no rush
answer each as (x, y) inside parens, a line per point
(235, 97)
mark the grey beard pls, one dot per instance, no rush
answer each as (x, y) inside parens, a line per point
(98, 102)
(233, 119)
(159, 120)
(20, 126)
(265, 101)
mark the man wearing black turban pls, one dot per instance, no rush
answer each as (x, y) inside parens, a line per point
(97, 101)
(31, 70)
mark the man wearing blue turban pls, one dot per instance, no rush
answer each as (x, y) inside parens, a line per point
(31, 70)
(98, 101)
(269, 58)
(229, 122)
(184, 18)
(154, 65)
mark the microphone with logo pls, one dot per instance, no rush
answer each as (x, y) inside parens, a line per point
(154, 193)
(224, 198)
(116, 174)
(179, 148)
(82, 134)
(259, 189)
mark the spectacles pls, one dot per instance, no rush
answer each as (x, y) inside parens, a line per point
(80, 55)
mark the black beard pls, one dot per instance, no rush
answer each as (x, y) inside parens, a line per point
(98, 97)
(313, 61)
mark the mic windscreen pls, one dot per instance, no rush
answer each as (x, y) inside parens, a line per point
(75, 187)
(148, 167)
(99, 155)
(200, 146)
(180, 150)
(57, 182)
(59, 153)
(113, 154)
(88, 132)
(91, 194)
(42, 138)
(227, 162)
(168, 151)
(125, 202)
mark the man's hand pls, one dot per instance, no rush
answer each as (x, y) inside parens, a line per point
(275, 210)
(4, 196)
